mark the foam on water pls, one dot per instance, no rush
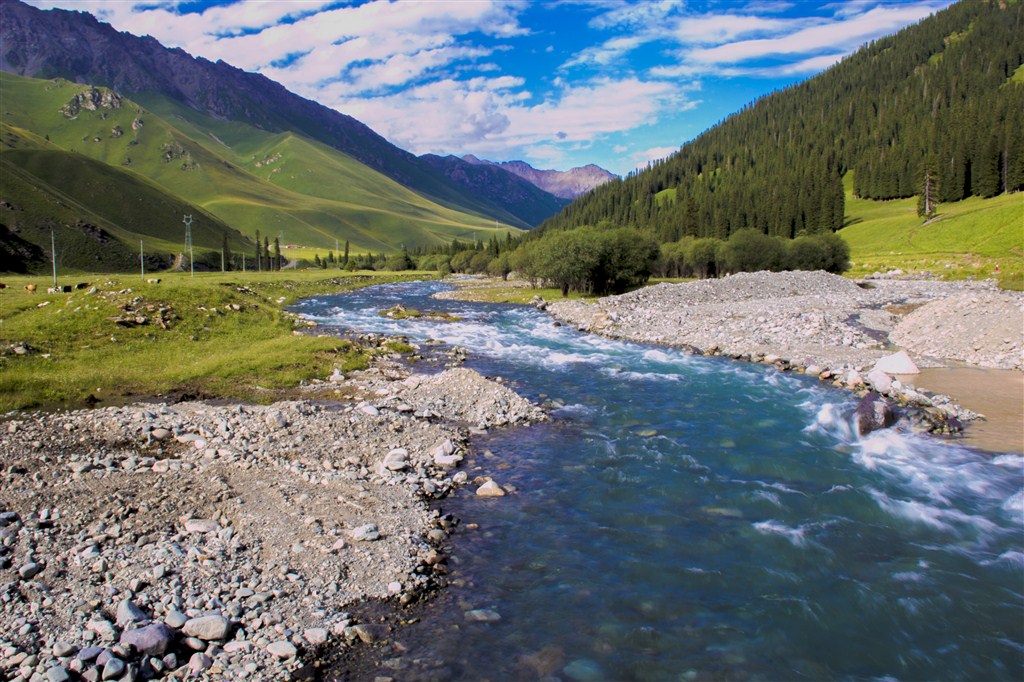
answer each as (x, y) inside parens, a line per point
(797, 536)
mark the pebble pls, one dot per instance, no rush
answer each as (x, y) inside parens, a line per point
(365, 533)
(29, 570)
(282, 649)
(187, 548)
(63, 649)
(201, 526)
(113, 668)
(207, 628)
(198, 663)
(315, 636)
(482, 616)
(128, 612)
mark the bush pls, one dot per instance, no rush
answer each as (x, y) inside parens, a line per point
(461, 261)
(751, 251)
(500, 266)
(827, 252)
(399, 262)
(702, 257)
(589, 260)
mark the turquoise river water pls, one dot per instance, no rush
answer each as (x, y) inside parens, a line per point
(689, 518)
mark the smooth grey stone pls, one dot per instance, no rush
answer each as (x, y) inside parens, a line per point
(57, 674)
(208, 628)
(113, 668)
(176, 619)
(128, 612)
(282, 649)
(153, 640)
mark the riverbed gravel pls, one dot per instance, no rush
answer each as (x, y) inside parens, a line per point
(227, 541)
(815, 318)
(833, 327)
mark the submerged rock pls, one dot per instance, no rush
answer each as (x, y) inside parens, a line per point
(490, 489)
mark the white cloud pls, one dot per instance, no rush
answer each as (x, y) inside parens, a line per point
(717, 29)
(490, 115)
(829, 35)
(642, 158)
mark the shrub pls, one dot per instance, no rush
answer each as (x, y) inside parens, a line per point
(750, 251)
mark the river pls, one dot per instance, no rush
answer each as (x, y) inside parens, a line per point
(690, 518)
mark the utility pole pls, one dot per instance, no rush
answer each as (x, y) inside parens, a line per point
(243, 261)
(188, 243)
(142, 262)
(53, 254)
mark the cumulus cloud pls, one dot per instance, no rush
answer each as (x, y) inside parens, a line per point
(436, 76)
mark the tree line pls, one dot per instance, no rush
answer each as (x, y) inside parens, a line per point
(610, 259)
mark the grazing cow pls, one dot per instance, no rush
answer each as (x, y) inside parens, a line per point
(30, 288)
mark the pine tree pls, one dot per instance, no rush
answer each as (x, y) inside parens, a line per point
(259, 260)
(928, 198)
(277, 253)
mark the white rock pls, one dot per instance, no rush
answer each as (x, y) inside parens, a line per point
(282, 649)
(897, 363)
(490, 489)
(396, 460)
(482, 616)
(201, 526)
(315, 636)
(880, 381)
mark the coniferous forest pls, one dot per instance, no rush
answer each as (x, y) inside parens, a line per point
(941, 102)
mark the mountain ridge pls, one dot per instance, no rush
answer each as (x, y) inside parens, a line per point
(80, 48)
(569, 184)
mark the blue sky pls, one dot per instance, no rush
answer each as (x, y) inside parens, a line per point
(558, 84)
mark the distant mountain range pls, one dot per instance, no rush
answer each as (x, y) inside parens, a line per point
(244, 149)
(568, 184)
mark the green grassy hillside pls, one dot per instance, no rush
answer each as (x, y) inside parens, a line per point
(97, 213)
(967, 238)
(280, 184)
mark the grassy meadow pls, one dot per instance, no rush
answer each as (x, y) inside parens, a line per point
(978, 238)
(217, 335)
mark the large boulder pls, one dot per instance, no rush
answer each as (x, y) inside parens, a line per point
(897, 363)
(874, 412)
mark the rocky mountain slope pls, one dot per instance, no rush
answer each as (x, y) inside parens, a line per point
(568, 184)
(79, 48)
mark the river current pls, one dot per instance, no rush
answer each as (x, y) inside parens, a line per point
(689, 518)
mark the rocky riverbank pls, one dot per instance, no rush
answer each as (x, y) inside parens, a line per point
(825, 325)
(818, 323)
(198, 540)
